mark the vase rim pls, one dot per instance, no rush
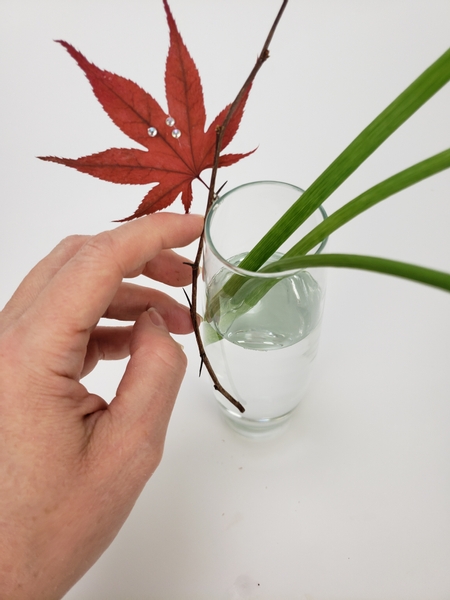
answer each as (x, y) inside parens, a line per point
(268, 275)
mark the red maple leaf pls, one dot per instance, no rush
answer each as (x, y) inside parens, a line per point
(177, 146)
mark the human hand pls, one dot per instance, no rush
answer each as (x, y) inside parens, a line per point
(72, 466)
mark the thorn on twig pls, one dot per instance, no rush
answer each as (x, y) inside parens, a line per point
(195, 268)
(220, 189)
(187, 298)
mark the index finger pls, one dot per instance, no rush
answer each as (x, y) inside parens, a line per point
(82, 290)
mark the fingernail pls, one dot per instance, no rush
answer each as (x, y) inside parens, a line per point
(156, 318)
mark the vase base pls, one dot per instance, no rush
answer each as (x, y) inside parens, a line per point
(256, 428)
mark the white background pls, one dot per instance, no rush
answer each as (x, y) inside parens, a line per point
(353, 502)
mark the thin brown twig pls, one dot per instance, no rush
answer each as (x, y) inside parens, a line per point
(212, 196)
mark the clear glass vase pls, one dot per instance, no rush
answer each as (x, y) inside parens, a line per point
(260, 330)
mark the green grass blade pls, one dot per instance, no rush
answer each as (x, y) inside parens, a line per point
(253, 290)
(416, 273)
(367, 199)
(405, 105)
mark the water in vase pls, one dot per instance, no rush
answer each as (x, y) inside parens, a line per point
(263, 356)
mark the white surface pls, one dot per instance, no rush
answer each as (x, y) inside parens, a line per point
(354, 501)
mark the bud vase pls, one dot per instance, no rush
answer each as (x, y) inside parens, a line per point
(260, 329)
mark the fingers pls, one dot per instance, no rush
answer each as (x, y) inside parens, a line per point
(113, 343)
(106, 343)
(131, 300)
(141, 410)
(39, 276)
(80, 293)
(169, 267)
(97, 270)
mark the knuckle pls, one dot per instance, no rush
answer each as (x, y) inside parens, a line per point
(73, 240)
(71, 244)
(101, 248)
(172, 356)
(100, 243)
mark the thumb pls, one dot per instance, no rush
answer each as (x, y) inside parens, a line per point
(145, 397)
